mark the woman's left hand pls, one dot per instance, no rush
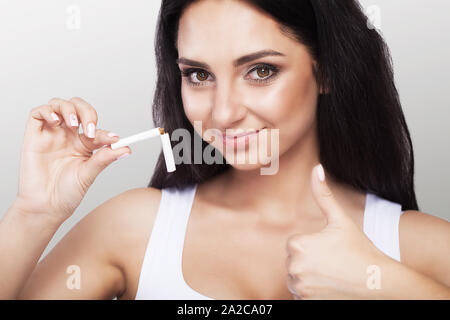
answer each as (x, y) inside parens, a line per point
(338, 261)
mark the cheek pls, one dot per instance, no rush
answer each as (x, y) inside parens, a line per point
(290, 103)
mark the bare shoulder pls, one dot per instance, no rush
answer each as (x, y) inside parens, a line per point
(129, 208)
(125, 217)
(425, 243)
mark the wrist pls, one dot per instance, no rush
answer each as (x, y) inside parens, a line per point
(380, 282)
(397, 280)
(20, 212)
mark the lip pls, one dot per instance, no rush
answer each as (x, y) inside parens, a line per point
(242, 138)
(243, 134)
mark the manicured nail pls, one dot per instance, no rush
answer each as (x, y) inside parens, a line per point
(91, 130)
(321, 173)
(112, 134)
(73, 120)
(123, 156)
(55, 116)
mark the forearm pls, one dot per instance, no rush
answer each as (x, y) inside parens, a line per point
(23, 238)
(400, 282)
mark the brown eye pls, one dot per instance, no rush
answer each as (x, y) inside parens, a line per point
(262, 72)
(196, 77)
(201, 76)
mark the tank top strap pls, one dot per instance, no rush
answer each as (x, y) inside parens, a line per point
(381, 224)
(160, 275)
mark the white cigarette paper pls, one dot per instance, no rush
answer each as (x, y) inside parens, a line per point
(168, 153)
(165, 140)
(136, 138)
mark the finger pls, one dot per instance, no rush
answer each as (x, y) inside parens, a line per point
(67, 110)
(325, 198)
(289, 285)
(288, 261)
(294, 266)
(106, 138)
(102, 138)
(91, 168)
(39, 118)
(88, 116)
(295, 243)
(42, 115)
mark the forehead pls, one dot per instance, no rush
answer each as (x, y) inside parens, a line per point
(228, 28)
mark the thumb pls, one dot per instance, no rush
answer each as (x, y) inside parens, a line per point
(325, 198)
(102, 158)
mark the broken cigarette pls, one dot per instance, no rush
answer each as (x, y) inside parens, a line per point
(167, 148)
(168, 153)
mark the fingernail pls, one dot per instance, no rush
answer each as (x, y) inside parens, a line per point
(321, 173)
(73, 120)
(112, 134)
(91, 130)
(55, 116)
(123, 156)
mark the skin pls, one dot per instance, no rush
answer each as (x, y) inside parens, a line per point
(279, 230)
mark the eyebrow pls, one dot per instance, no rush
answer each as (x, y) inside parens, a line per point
(236, 63)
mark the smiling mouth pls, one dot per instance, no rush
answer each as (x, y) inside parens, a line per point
(240, 135)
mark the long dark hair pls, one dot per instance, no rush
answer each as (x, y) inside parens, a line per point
(364, 141)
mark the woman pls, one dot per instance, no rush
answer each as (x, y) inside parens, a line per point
(312, 70)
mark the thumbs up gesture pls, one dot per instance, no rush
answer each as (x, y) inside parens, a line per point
(332, 263)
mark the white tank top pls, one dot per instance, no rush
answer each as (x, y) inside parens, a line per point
(161, 274)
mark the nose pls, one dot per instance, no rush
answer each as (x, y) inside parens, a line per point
(227, 112)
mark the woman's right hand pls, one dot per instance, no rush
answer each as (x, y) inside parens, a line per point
(57, 164)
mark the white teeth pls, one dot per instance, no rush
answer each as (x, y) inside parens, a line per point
(239, 135)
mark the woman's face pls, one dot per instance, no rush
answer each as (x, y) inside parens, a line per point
(233, 95)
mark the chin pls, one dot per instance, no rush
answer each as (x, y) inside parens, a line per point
(247, 166)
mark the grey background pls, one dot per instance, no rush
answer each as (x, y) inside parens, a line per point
(110, 62)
